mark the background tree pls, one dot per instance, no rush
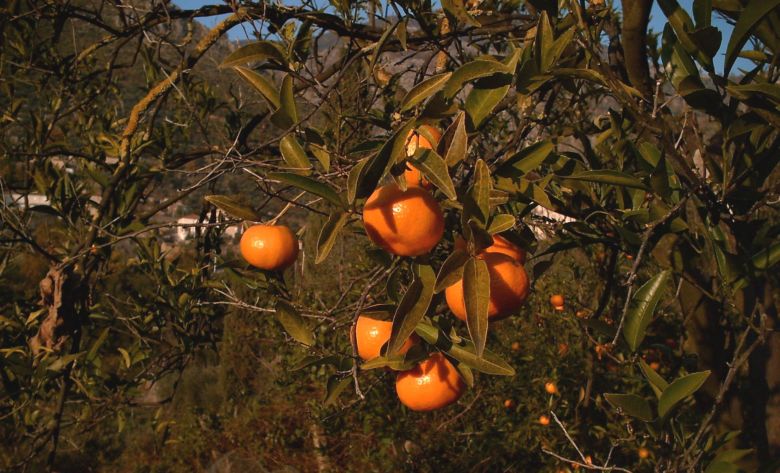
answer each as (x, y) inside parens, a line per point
(641, 180)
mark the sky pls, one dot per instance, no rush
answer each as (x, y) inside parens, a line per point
(657, 23)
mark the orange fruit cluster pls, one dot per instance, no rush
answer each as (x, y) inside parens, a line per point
(409, 223)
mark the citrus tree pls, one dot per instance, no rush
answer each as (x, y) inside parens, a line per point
(537, 226)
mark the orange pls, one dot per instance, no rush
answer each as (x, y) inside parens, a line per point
(643, 453)
(550, 387)
(557, 302)
(269, 247)
(432, 384)
(544, 420)
(509, 404)
(655, 365)
(371, 334)
(500, 245)
(508, 288)
(405, 223)
(414, 177)
(563, 349)
(414, 141)
(515, 346)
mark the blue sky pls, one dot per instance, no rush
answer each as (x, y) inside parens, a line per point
(657, 23)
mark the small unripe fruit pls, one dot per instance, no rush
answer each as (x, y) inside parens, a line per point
(509, 404)
(515, 347)
(643, 453)
(550, 387)
(544, 420)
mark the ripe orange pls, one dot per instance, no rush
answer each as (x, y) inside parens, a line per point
(550, 387)
(269, 247)
(508, 288)
(432, 384)
(544, 420)
(515, 346)
(509, 404)
(405, 223)
(557, 301)
(655, 365)
(500, 245)
(563, 349)
(415, 139)
(643, 453)
(414, 177)
(371, 334)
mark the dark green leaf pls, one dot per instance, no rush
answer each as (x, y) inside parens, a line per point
(254, 52)
(329, 233)
(642, 307)
(656, 381)
(476, 294)
(232, 207)
(751, 15)
(308, 184)
(336, 386)
(608, 176)
(423, 90)
(435, 169)
(452, 270)
(470, 71)
(412, 307)
(260, 84)
(287, 114)
(293, 323)
(485, 96)
(632, 405)
(680, 389)
(457, 141)
(500, 223)
(294, 155)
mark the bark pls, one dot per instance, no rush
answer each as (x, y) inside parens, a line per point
(58, 297)
(636, 15)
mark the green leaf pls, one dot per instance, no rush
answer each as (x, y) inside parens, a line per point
(122, 351)
(680, 389)
(377, 166)
(457, 140)
(489, 363)
(543, 43)
(642, 307)
(400, 33)
(527, 160)
(412, 307)
(260, 84)
(395, 363)
(322, 155)
(255, 52)
(336, 386)
(751, 15)
(435, 169)
(451, 271)
(63, 361)
(287, 115)
(682, 25)
(308, 184)
(479, 195)
(457, 10)
(311, 360)
(702, 12)
(656, 381)
(632, 405)
(294, 155)
(608, 176)
(93, 351)
(328, 234)
(380, 45)
(354, 178)
(484, 97)
(293, 323)
(423, 90)
(476, 294)
(500, 223)
(767, 257)
(476, 69)
(717, 466)
(231, 207)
